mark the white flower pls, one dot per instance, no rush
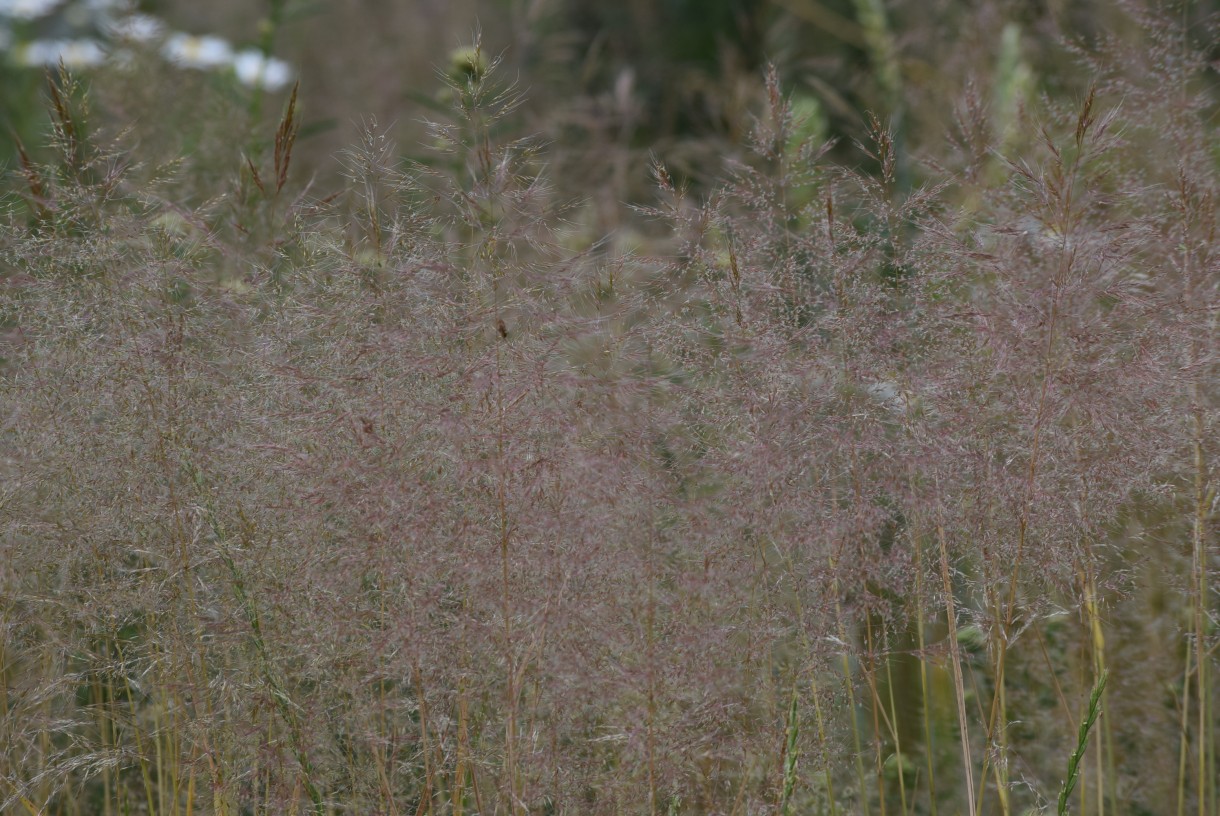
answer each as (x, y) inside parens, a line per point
(256, 70)
(82, 52)
(27, 9)
(189, 51)
(135, 28)
(73, 53)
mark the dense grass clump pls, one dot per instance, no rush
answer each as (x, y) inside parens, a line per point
(885, 487)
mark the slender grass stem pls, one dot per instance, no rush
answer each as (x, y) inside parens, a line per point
(955, 654)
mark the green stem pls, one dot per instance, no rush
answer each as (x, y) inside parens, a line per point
(1082, 742)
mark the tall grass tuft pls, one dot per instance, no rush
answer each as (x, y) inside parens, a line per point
(822, 492)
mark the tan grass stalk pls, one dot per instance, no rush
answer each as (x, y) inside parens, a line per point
(893, 718)
(955, 655)
(1205, 759)
(849, 684)
(925, 696)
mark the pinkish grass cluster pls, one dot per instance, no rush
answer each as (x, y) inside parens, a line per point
(840, 493)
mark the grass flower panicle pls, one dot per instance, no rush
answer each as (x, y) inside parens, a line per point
(845, 483)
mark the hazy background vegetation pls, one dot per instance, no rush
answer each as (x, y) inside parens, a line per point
(800, 406)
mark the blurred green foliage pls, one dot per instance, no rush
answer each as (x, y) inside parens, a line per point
(617, 81)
